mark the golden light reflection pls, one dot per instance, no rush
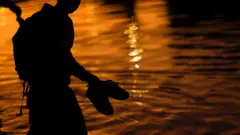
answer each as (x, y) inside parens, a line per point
(133, 36)
(135, 56)
(139, 91)
(131, 28)
(132, 43)
(136, 59)
(137, 66)
(139, 103)
(133, 46)
(135, 52)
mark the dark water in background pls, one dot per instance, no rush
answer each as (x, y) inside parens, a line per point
(179, 61)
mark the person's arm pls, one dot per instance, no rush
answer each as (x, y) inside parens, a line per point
(80, 72)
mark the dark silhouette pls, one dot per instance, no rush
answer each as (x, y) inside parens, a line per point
(43, 59)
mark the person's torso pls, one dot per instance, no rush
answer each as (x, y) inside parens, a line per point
(51, 37)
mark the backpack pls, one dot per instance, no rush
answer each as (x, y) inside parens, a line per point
(20, 42)
(20, 51)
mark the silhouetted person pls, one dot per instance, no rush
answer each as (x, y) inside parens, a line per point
(48, 38)
(43, 58)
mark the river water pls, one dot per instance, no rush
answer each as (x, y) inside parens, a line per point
(179, 62)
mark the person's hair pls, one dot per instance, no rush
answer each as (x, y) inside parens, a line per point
(14, 8)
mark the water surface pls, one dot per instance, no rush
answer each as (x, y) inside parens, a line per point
(180, 65)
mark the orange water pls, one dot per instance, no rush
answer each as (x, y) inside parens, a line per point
(175, 89)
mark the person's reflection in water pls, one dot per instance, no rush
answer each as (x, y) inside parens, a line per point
(53, 107)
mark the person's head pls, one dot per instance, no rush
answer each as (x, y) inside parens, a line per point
(68, 6)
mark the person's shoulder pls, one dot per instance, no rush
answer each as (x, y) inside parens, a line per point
(36, 16)
(39, 15)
